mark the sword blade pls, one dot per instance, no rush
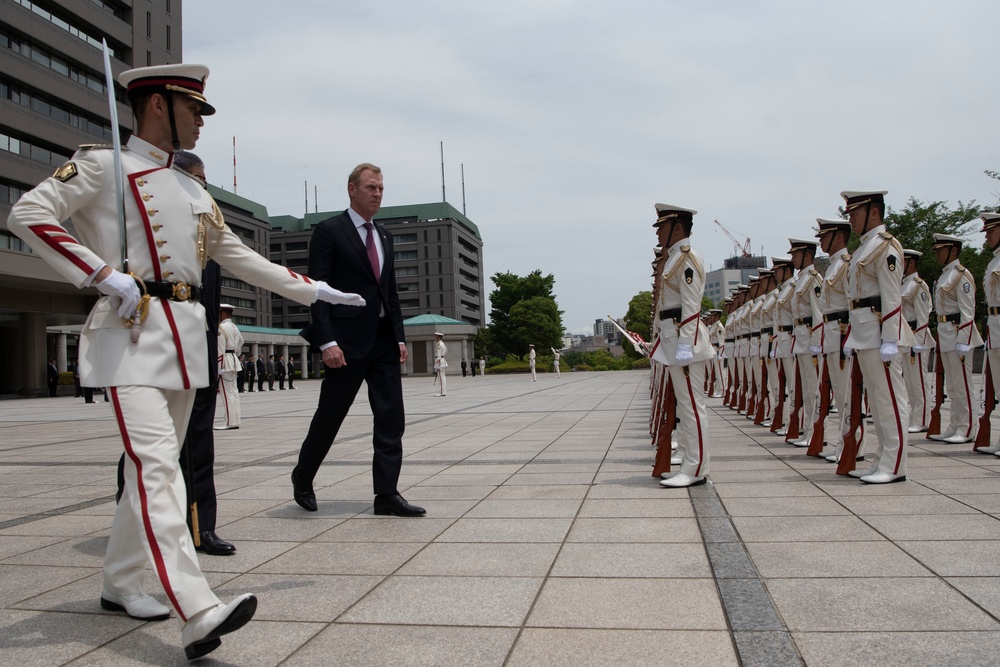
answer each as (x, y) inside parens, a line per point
(117, 143)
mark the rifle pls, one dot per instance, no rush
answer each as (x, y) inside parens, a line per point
(818, 435)
(729, 383)
(983, 434)
(934, 427)
(657, 397)
(741, 405)
(761, 412)
(849, 455)
(734, 382)
(779, 410)
(793, 419)
(753, 391)
(665, 430)
(711, 381)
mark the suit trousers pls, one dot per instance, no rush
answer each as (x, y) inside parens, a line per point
(890, 409)
(230, 398)
(150, 520)
(381, 371)
(914, 371)
(958, 380)
(692, 432)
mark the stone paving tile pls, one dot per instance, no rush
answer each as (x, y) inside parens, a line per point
(544, 647)
(507, 530)
(833, 559)
(349, 558)
(658, 561)
(983, 590)
(461, 559)
(774, 507)
(803, 529)
(898, 649)
(635, 530)
(936, 526)
(953, 558)
(300, 597)
(54, 638)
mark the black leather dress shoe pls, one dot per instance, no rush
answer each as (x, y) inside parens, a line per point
(303, 493)
(395, 504)
(213, 545)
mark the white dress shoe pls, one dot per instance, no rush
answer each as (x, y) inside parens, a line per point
(673, 445)
(766, 423)
(957, 439)
(676, 460)
(883, 478)
(832, 458)
(781, 431)
(680, 481)
(140, 606)
(201, 633)
(988, 450)
(862, 473)
(916, 429)
(798, 443)
(941, 436)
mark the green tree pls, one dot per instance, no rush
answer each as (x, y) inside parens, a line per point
(536, 320)
(637, 319)
(511, 290)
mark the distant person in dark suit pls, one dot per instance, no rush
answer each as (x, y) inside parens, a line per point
(53, 377)
(351, 252)
(281, 371)
(291, 372)
(261, 372)
(271, 370)
(251, 372)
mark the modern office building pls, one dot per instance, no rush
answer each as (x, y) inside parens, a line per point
(736, 270)
(438, 254)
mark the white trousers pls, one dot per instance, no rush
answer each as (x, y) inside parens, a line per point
(809, 375)
(914, 366)
(230, 398)
(531, 365)
(890, 409)
(556, 365)
(994, 359)
(443, 379)
(958, 380)
(692, 433)
(772, 386)
(151, 518)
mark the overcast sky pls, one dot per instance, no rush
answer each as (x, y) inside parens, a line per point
(573, 118)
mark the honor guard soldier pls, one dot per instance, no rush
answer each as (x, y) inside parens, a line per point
(955, 304)
(991, 290)
(833, 235)
(440, 363)
(784, 322)
(769, 288)
(917, 306)
(683, 345)
(717, 336)
(230, 340)
(806, 335)
(742, 315)
(877, 331)
(728, 344)
(531, 361)
(145, 338)
(756, 371)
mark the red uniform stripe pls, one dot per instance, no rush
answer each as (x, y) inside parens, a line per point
(144, 214)
(968, 398)
(697, 425)
(177, 341)
(58, 238)
(899, 422)
(154, 547)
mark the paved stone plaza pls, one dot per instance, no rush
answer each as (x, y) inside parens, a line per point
(547, 542)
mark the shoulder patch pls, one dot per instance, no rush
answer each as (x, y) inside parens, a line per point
(967, 287)
(819, 290)
(65, 172)
(688, 275)
(891, 261)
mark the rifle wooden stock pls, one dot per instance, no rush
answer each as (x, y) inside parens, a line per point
(752, 394)
(734, 383)
(761, 411)
(654, 414)
(934, 427)
(793, 419)
(989, 402)
(741, 406)
(711, 381)
(666, 430)
(849, 455)
(779, 410)
(819, 428)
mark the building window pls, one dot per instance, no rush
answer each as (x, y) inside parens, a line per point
(404, 238)
(440, 283)
(405, 254)
(439, 234)
(168, 39)
(149, 59)
(149, 25)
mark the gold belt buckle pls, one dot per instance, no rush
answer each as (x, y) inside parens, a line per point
(942, 319)
(182, 291)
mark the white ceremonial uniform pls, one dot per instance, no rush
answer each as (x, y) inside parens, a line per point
(917, 311)
(531, 363)
(482, 367)
(681, 289)
(873, 282)
(783, 354)
(955, 304)
(230, 343)
(440, 364)
(836, 308)
(767, 343)
(753, 358)
(153, 380)
(729, 347)
(717, 335)
(743, 345)
(555, 360)
(991, 290)
(808, 320)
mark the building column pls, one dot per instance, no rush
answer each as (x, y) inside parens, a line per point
(304, 361)
(33, 360)
(61, 352)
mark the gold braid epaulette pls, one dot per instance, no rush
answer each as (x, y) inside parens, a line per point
(959, 272)
(215, 221)
(667, 277)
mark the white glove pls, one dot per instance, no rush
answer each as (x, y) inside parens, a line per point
(815, 350)
(326, 293)
(848, 352)
(684, 355)
(917, 349)
(221, 372)
(773, 354)
(962, 348)
(888, 351)
(122, 287)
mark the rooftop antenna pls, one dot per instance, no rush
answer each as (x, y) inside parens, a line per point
(442, 173)
(234, 164)
(463, 188)
(306, 190)
(315, 199)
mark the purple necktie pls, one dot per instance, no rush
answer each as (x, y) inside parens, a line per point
(372, 252)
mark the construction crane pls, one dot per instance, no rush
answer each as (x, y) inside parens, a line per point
(742, 251)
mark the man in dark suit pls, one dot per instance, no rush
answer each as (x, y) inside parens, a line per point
(352, 253)
(270, 372)
(261, 372)
(291, 372)
(280, 370)
(53, 372)
(250, 368)
(241, 374)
